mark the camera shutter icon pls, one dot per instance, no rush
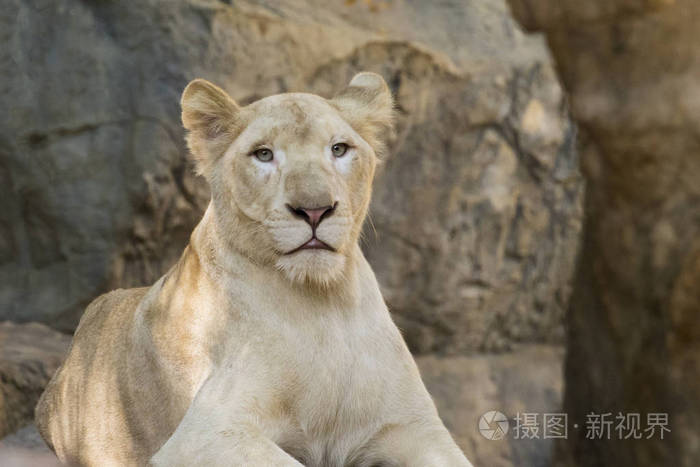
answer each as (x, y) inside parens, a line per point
(493, 425)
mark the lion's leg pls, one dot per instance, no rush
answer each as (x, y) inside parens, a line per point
(193, 445)
(414, 445)
(225, 426)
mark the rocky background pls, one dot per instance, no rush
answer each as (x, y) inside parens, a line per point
(477, 213)
(632, 69)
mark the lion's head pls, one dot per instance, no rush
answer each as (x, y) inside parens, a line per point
(290, 174)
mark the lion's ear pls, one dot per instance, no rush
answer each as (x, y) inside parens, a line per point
(211, 118)
(366, 104)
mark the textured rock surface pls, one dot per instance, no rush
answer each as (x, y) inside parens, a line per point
(632, 67)
(476, 213)
(528, 380)
(29, 356)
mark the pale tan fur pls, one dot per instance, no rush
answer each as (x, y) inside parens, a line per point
(244, 354)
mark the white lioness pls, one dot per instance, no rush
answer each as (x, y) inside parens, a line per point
(268, 343)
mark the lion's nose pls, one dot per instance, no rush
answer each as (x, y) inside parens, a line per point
(312, 216)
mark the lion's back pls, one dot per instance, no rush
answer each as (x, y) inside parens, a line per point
(68, 398)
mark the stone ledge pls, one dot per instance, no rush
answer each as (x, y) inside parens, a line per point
(29, 356)
(528, 379)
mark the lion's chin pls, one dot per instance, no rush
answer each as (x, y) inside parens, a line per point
(314, 266)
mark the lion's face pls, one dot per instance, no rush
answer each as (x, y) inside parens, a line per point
(302, 175)
(290, 174)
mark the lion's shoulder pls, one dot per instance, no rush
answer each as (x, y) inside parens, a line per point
(108, 305)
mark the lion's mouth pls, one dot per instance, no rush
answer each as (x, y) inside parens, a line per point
(313, 244)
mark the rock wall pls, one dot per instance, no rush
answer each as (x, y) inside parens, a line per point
(29, 356)
(631, 68)
(476, 214)
(465, 387)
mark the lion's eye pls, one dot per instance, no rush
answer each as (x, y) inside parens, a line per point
(263, 155)
(339, 149)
